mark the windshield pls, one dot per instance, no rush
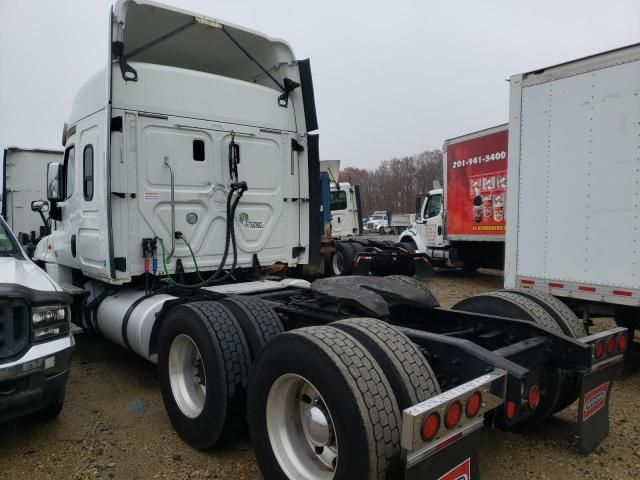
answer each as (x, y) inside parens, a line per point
(376, 217)
(8, 246)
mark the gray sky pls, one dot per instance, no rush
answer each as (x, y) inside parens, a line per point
(392, 78)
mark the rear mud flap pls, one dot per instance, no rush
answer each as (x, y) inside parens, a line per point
(593, 410)
(457, 461)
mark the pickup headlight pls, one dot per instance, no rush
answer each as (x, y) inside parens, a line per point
(49, 321)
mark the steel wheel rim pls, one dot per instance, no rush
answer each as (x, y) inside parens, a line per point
(338, 263)
(301, 431)
(187, 376)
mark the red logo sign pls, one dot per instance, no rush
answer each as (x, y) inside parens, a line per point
(594, 401)
(461, 472)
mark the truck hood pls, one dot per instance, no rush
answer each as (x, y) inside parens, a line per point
(26, 273)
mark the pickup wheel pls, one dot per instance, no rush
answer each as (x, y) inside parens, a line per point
(342, 260)
(51, 411)
(554, 383)
(203, 365)
(321, 407)
(259, 322)
(407, 370)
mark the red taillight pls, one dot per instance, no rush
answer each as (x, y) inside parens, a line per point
(510, 409)
(452, 415)
(599, 350)
(622, 342)
(474, 402)
(611, 346)
(534, 397)
(430, 426)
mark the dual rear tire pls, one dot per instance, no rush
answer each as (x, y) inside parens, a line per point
(205, 354)
(327, 389)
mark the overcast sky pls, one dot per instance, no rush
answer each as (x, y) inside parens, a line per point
(392, 78)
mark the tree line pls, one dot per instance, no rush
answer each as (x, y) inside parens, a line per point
(395, 183)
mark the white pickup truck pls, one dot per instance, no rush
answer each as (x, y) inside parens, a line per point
(35, 342)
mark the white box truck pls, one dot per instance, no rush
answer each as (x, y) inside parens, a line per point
(462, 225)
(191, 172)
(574, 176)
(23, 181)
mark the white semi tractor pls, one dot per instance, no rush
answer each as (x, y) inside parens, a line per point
(574, 175)
(191, 170)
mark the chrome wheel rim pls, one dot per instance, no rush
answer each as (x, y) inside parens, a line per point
(337, 263)
(301, 430)
(187, 376)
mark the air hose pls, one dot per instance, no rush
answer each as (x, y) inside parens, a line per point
(238, 189)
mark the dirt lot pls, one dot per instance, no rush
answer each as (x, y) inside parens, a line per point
(114, 425)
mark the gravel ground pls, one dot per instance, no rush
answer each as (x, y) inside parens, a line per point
(114, 425)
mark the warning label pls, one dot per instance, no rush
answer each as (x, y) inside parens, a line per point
(151, 196)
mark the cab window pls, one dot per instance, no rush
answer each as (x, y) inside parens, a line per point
(87, 173)
(433, 207)
(338, 200)
(70, 166)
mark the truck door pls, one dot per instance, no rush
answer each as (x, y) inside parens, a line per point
(432, 229)
(339, 212)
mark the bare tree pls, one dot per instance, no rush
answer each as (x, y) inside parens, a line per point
(394, 184)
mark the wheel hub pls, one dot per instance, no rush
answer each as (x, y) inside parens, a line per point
(187, 376)
(316, 426)
(301, 430)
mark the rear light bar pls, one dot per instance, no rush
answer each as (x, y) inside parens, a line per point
(608, 344)
(441, 420)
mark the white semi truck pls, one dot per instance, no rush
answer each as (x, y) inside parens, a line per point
(574, 175)
(190, 172)
(463, 224)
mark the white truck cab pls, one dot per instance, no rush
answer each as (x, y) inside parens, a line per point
(35, 340)
(344, 210)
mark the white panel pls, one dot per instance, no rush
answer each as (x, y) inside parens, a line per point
(579, 202)
(534, 153)
(569, 177)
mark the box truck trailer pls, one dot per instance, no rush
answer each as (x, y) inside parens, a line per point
(191, 169)
(23, 181)
(463, 224)
(574, 176)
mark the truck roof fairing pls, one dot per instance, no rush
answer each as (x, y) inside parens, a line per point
(204, 44)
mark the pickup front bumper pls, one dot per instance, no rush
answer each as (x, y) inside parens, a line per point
(30, 382)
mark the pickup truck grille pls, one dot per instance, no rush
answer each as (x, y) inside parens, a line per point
(14, 328)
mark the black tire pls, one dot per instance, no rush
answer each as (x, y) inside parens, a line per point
(357, 247)
(554, 383)
(53, 409)
(381, 231)
(409, 246)
(407, 370)
(355, 390)
(225, 361)
(570, 324)
(345, 251)
(414, 282)
(259, 322)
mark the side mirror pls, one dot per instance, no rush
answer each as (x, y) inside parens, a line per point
(419, 200)
(39, 206)
(54, 182)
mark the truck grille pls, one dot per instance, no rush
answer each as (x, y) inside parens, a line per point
(14, 328)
